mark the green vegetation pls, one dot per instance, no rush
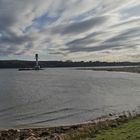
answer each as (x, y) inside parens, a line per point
(126, 131)
(123, 131)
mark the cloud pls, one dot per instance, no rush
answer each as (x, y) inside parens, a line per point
(74, 29)
(79, 27)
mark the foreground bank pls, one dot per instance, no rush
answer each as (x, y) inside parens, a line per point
(125, 126)
(125, 131)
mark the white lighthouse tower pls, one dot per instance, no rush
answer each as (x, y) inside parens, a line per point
(37, 67)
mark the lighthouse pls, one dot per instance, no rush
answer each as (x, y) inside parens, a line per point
(37, 67)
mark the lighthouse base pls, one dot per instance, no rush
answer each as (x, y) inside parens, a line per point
(28, 69)
(37, 67)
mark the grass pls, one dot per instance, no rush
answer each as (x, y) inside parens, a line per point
(126, 131)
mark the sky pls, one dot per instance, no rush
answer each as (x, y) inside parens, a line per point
(78, 30)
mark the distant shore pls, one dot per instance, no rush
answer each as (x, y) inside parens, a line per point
(59, 64)
(132, 69)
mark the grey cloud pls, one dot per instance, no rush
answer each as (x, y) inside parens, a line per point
(118, 42)
(80, 27)
(85, 40)
(127, 22)
(15, 43)
(89, 49)
(6, 51)
(126, 35)
(11, 38)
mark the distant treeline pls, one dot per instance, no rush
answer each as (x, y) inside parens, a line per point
(51, 64)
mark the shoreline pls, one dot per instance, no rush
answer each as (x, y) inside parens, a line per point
(115, 69)
(69, 132)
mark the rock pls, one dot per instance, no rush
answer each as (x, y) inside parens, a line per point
(33, 138)
(44, 134)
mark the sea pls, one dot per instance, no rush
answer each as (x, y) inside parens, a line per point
(64, 96)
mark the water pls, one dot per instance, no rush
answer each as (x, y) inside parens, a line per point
(56, 97)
